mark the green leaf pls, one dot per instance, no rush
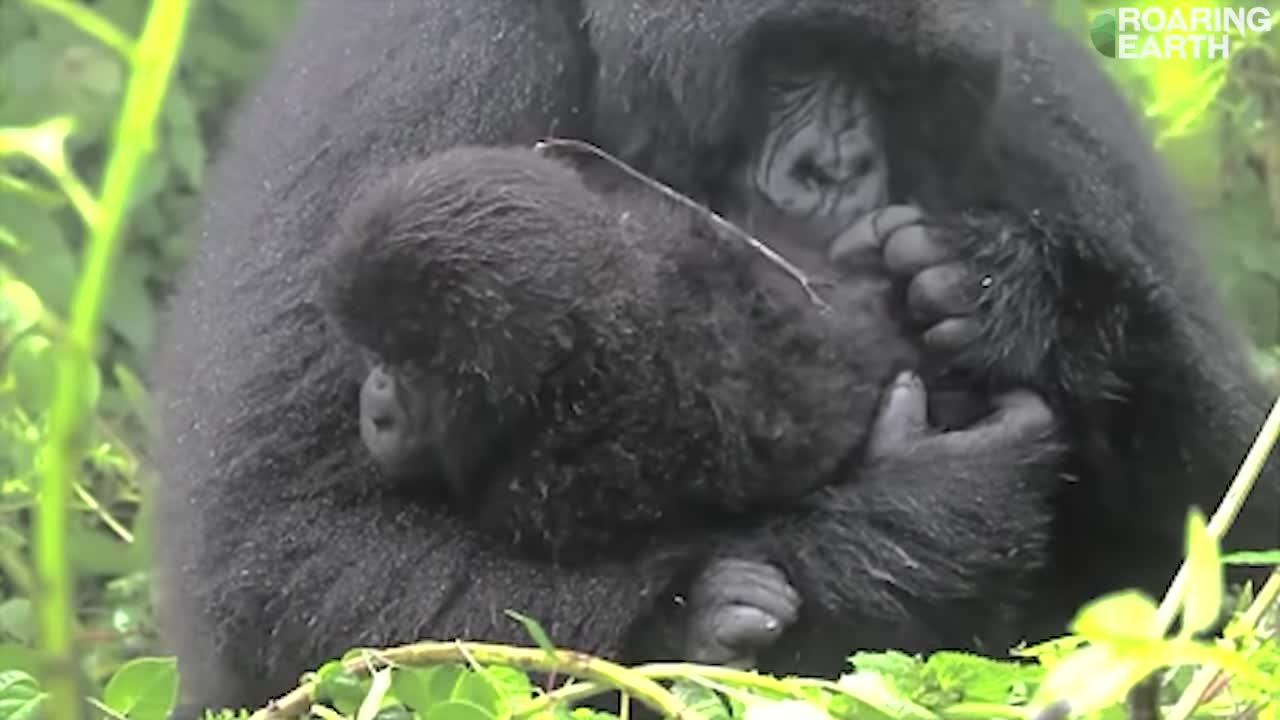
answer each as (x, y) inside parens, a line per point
(31, 364)
(456, 710)
(976, 679)
(476, 689)
(701, 702)
(341, 688)
(444, 679)
(1253, 557)
(20, 696)
(1125, 616)
(412, 686)
(144, 689)
(535, 630)
(20, 308)
(16, 620)
(878, 693)
(1203, 603)
(512, 683)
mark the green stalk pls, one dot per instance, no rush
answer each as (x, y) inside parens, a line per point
(152, 61)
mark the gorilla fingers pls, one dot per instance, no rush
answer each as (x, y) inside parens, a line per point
(737, 608)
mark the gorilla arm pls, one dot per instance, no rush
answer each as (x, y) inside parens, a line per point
(935, 537)
(1077, 276)
(275, 549)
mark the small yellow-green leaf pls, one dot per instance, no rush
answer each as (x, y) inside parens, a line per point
(20, 308)
(1096, 676)
(534, 628)
(144, 689)
(1127, 616)
(1202, 605)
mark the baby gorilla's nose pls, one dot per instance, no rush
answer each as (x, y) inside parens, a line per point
(384, 424)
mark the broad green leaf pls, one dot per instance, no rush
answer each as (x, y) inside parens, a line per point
(476, 689)
(412, 686)
(512, 682)
(444, 680)
(144, 689)
(341, 688)
(1202, 605)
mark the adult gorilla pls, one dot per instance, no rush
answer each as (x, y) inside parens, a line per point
(279, 548)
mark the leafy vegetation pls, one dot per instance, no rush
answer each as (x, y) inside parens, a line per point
(103, 153)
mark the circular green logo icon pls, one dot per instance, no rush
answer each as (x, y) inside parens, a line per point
(1103, 33)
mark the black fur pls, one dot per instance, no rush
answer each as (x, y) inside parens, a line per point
(281, 547)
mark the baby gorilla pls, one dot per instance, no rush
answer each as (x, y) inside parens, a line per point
(583, 373)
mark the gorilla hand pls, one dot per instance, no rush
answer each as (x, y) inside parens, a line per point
(943, 290)
(737, 608)
(902, 431)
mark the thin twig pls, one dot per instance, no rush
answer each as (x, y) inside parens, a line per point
(597, 670)
(672, 194)
(1228, 509)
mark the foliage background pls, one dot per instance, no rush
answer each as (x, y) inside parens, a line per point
(1217, 123)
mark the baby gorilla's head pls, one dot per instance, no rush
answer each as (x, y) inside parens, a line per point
(482, 283)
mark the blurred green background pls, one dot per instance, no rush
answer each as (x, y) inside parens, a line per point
(1217, 123)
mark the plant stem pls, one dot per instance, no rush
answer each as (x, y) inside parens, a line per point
(152, 59)
(1227, 510)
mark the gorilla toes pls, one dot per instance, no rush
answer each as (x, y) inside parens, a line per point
(943, 290)
(738, 608)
